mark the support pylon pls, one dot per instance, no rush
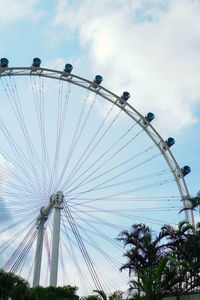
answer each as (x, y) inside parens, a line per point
(55, 201)
(38, 254)
(56, 239)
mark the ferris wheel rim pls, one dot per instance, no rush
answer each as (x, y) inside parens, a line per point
(131, 112)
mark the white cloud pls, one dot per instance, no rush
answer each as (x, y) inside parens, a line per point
(13, 10)
(153, 51)
(56, 64)
(59, 63)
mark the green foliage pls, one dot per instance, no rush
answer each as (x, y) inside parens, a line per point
(194, 203)
(51, 293)
(101, 294)
(117, 295)
(12, 286)
(135, 296)
(91, 297)
(163, 264)
(16, 288)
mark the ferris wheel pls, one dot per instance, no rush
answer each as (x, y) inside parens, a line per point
(78, 164)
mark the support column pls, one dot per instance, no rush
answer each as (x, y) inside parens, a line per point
(41, 219)
(38, 254)
(56, 239)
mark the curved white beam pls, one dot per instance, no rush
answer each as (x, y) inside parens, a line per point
(127, 108)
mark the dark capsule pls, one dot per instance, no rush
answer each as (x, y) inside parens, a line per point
(68, 68)
(125, 96)
(36, 62)
(185, 170)
(4, 62)
(170, 142)
(150, 116)
(98, 79)
(197, 200)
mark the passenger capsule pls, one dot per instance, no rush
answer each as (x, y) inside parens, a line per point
(125, 96)
(4, 62)
(150, 116)
(185, 170)
(170, 142)
(98, 79)
(68, 68)
(197, 200)
(36, 62)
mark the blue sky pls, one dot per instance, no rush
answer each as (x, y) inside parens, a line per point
(150, 48)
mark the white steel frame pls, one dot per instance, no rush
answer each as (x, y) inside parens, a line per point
(131, 112)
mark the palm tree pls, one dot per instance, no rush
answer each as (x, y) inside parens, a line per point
(194, 203)
(117, 295)
(184, 249)
(101, 294)
(164, 264)
(144, 254)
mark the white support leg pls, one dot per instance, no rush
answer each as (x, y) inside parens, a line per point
(56, 239)
(41, 219)
(38, 254)
(55, 201)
